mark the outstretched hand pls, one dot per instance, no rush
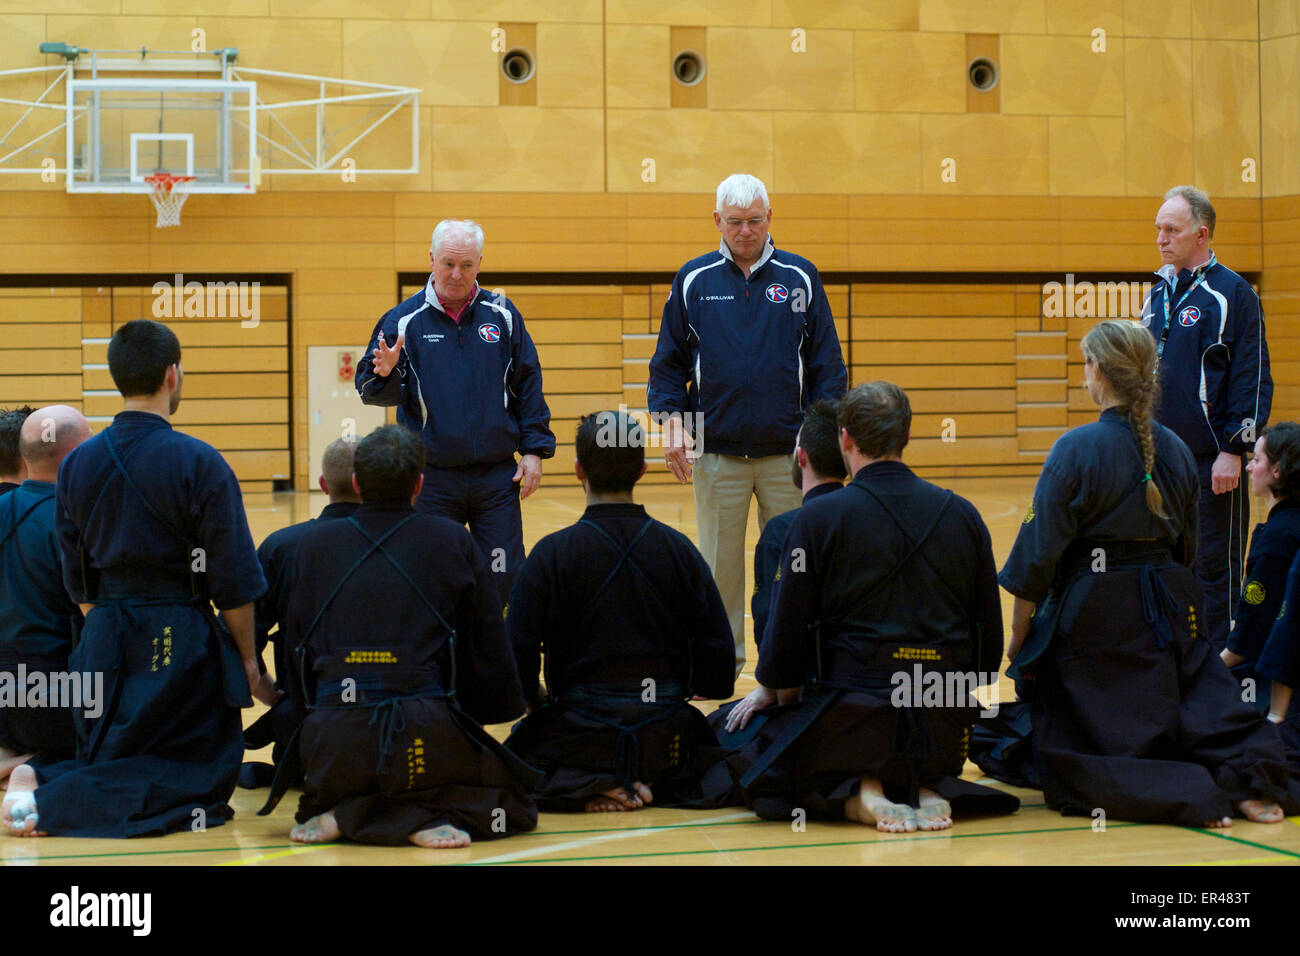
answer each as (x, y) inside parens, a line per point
(385, 359)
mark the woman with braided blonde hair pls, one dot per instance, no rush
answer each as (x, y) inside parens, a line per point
(1133, 711)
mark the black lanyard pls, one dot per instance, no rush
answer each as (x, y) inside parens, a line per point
(1200, 275)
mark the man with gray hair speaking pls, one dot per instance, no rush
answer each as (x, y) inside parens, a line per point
(1216, 388)
(464, 375)
(746, 344)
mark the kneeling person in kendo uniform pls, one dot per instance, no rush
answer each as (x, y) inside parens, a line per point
(632, 625)
(399, 660)
(152, 532)
(37, 617)
(276, 555)
(1133, 711)
(886, 591)
(1263, 650)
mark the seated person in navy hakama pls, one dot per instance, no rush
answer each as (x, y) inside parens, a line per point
(153, 532)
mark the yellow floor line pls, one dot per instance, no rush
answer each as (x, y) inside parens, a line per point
(244, 861)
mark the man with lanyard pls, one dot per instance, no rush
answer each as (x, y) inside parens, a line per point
(746, 343)
(152, 531)
(626, 611)
(462, 370)
(36, 615)
(1216, 389)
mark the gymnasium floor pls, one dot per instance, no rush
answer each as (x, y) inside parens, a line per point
(1035, 835)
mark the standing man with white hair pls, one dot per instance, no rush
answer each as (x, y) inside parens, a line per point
(464, 374)
(747, 343)
(1216, 386)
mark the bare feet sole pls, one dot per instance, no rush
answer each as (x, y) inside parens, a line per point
(18, 809)
(9, 761)
(934, 813)
(871, 807)
(444, 837)
(618, 799)
(322, 828)
(1261, 811)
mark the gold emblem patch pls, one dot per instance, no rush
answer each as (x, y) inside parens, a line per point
(1254, 593)
(1029, 515)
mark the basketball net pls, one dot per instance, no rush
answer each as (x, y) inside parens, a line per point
(168, 193)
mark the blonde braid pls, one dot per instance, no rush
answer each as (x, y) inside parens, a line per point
(1139, 416)
(1125, 355)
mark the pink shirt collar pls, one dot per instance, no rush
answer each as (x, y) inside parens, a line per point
(432, 293)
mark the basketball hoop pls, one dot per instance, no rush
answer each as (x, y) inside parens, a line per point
(168, 193)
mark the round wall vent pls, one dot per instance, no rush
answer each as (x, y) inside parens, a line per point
(688, 68)
(518, 65)
(983, 74)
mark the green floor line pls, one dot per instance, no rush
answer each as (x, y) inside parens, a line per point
(286, 846)
(1258, 846)
(943, 834)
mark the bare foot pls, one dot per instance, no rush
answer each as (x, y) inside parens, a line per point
(619, 799)
(871, 807)
(1219, 824)
(9, 760)
(18, 810)
(935, 813)
(1261, 811)
(322, 828)
(440, 838)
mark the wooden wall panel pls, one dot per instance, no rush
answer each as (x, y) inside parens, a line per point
(992, 154)
(934, 64)
(1062, 76)
(637, 66)
(1226, 114)
(1279, 69)
(1279, 290)
(771, 70)
(1278, 18)
(1158, 114)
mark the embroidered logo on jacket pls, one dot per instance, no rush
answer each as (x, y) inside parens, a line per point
(489, 333)
(1254, 593)
(1189, 316)
(1029, 515)
(776, 292)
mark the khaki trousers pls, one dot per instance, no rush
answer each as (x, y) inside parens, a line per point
(723, 486)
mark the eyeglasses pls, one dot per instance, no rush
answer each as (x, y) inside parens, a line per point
(752, 223)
